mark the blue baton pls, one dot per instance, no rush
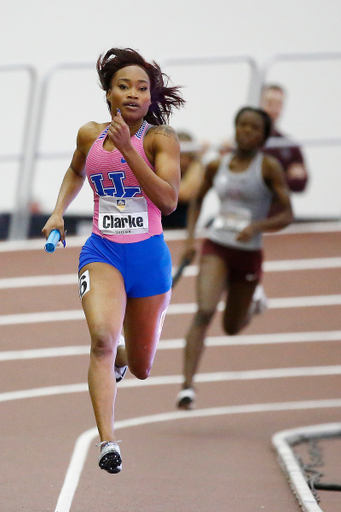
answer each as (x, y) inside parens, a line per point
(52, 241)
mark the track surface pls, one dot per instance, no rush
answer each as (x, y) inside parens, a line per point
(279, 374)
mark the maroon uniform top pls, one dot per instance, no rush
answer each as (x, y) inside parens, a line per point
(287, 156)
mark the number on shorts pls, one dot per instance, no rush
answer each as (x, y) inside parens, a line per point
(84, 283)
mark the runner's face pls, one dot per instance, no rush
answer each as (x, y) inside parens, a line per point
(130, 92)
(249, 131)
(272, 102)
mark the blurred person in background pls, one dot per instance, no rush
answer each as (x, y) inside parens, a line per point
(247, 182)
(192, 171)
(278, 145)
(291, 157)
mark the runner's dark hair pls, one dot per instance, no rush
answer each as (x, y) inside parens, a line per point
(163, 98)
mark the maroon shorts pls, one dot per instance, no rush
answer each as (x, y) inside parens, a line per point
(241, 265)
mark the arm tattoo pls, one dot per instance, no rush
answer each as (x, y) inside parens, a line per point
(167, 131)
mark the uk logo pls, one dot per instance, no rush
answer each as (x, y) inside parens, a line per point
(118, 189)
(121, 204)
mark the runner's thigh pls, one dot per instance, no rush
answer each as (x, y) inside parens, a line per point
(105, 299)
(142, 327)
(211, 282)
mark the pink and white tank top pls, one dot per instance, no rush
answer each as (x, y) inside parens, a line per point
(122, 212)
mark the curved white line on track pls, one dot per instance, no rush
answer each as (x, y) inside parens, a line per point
(166, 380)
(83, 442)
(173, 309)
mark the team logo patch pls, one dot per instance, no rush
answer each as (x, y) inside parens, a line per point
(121, 204)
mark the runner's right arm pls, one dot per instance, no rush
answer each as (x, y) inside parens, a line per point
(72, 182)
(195, 208)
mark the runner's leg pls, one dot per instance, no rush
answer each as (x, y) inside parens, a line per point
(211, 282)
(239, 297)
(142, 328)
(104, 307)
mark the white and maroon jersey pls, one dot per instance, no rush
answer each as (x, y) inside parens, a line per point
(244, 197)
(122, 212)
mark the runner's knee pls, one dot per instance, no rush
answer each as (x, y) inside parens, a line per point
(232, 326)
(139, 372)
(231, 330)
(102, 343)
(203, 317)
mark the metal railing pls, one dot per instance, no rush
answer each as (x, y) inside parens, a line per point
(222, 60)
(22, 156)
(20, 220)
(21, 216)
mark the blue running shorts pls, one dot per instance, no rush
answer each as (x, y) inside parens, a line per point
(146, 266)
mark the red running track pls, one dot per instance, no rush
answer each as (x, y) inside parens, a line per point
(282, 372)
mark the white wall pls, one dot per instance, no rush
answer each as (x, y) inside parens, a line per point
(45, 33)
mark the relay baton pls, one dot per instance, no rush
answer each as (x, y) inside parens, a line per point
(52, 241)
(183, 264)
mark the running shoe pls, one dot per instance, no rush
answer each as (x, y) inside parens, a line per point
(259, 301)
(185, 399)
(110, 457)
(120, 371)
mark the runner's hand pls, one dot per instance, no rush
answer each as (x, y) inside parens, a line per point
(54, 222)
(119, 132)
(246, 234)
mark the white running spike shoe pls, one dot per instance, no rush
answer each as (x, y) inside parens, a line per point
(185, 399)
(120, 371)
(110, 457)
(259, 301)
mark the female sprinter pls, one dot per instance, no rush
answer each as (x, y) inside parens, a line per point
(247, 183)
(132, 165)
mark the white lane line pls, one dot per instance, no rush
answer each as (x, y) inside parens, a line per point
(260, 339)
(74, 471)
(83, 442)
(271, 373)
(284, 265)
(38, 353)
(32, 281)
(277, 303)
(166, 380)
(46, 316)
(303, 264)
(192, 270)
(173, 309)
(179, 343)
(39, 392)
(303, 302)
